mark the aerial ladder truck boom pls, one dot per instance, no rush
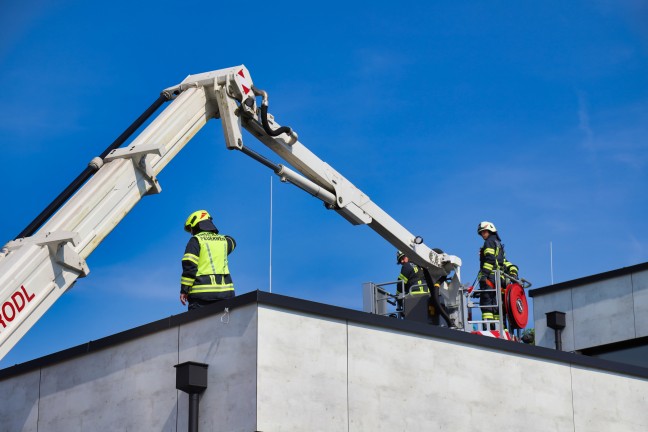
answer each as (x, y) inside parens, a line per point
(47, 258)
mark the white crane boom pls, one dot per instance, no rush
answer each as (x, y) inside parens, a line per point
(37, 269)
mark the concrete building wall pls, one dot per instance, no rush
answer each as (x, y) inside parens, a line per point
(449, 386)
(132, 386)
(227, 342)
(608, 401)
(302, 370)
(558, 301)
(119, 388)
(640, 303)
(19, 407)
(273, 369)
(603, 312)
(329, 375)
(598, 313)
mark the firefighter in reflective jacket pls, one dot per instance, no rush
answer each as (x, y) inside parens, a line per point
(205, 273)
(491, 258)
(411, 275)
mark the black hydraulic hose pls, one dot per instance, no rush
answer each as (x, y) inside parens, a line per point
(136, 124)
(435, 297)
(266, 125)
(257, 157)
(90, 170)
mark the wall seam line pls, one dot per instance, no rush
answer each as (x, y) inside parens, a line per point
(256, 368)
(634, 315)
(347, 380)
(40, 383)
(178, 391)
(571, 378)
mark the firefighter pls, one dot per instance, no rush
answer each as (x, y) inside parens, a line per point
(492, 257)
(411, 275)
(205, 273)
(414, 283)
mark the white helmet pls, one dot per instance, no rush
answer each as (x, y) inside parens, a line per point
(486, 226)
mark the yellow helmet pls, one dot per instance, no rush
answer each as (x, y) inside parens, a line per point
(194, 218)
(486, 226)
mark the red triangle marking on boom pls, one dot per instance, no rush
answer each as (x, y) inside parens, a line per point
(245, 89)
(241, 73)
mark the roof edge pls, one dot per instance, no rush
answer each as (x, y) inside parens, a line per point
(588, 279)
(320, 309)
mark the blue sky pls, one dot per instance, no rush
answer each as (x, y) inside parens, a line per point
(533, 116)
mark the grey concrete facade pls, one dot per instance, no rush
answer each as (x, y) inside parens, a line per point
(275, 367)
(599, 310)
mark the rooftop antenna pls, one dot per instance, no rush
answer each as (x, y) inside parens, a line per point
(270, 275)
(551, 260)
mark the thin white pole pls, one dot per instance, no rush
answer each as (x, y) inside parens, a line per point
(551, 260)
(270, 276)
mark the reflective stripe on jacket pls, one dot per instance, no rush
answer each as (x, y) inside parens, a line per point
(491, 258)
(205, 267)
(413, 279)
